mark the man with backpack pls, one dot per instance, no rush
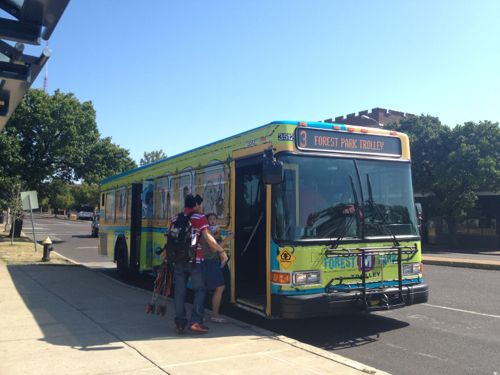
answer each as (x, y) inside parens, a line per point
(184, 249)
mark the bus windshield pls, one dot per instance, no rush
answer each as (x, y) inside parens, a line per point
(327, 198)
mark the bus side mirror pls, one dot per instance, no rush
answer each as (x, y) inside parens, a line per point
(419, 211)
(420, 215)
(272, 169)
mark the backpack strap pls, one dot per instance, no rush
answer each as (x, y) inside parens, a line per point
(189, 218)
(188, 215)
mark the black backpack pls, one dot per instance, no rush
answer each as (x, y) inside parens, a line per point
(181, 240)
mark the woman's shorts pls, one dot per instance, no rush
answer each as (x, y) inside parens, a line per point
(212, 273)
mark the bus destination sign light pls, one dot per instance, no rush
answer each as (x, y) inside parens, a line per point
(311, 139)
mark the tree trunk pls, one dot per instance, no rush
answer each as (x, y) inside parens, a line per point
(452, 233)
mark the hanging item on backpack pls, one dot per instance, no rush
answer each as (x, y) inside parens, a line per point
(181, 240)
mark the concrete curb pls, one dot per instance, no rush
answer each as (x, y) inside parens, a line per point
(310, 349)
(461, 262)
(331, 356)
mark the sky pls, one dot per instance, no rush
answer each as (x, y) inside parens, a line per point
(175, 75)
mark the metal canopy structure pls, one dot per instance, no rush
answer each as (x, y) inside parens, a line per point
(30, 21)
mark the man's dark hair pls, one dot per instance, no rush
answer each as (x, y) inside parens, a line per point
(198, 199)
(191, 201)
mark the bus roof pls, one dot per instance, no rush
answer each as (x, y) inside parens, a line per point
(312, 124)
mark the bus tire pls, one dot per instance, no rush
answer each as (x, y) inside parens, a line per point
(122, 267)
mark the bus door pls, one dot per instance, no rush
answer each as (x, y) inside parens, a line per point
(250, 235)
(135, 226)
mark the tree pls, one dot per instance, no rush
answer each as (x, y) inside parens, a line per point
(106, 159)
(150, 157)
(10, 162)
(478, 151)
(453, 165)
(473, 165)
(12, 196)
(85, 195)
(6, 184)
(54, 138)
(58, 193)
(53, 134)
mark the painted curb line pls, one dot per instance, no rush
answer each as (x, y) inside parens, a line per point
(461, 263)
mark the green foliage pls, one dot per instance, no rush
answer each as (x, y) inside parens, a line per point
(54, 139)
(11, 196)
(106, 159)
(453, 165)
(58, 193)
(150, 157)
(61, 195)
(428, 142)
(478, 150)
(53, 133)
(10, 162)
(85, 195)
(7, 185)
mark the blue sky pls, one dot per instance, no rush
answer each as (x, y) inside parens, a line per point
(174, 75)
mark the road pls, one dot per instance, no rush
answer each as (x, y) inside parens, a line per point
(71, 239)
(456, 332)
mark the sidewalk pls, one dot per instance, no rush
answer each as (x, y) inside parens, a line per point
(60, 319)
(482, 259)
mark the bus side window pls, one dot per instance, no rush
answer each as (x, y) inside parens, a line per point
(110, 207)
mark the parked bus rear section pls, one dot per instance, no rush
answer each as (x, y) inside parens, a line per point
(322, 214)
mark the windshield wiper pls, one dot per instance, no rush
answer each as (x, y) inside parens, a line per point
(357, 209)
(351, 218)
(371, 202)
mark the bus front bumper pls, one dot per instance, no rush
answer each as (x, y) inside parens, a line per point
(337, 303)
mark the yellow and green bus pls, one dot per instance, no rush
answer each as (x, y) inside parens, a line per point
(322, 214)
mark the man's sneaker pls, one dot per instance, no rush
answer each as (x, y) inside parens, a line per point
(199, 328)
(179, 330)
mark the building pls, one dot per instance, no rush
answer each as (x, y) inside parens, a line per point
(377, 117)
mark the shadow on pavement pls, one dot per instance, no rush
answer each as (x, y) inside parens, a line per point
(334, 333)
(83, 309)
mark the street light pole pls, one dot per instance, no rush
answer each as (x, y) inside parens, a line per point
(372, 119)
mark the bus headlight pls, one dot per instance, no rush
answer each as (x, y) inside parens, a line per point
(411, 269)
(306, 277)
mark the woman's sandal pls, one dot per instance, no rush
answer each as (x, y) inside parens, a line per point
(217, 319)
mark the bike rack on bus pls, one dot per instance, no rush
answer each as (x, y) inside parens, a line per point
(365, 297)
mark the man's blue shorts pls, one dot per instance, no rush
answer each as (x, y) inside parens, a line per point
(212, 273)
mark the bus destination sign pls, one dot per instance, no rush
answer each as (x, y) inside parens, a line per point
(311, 139)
